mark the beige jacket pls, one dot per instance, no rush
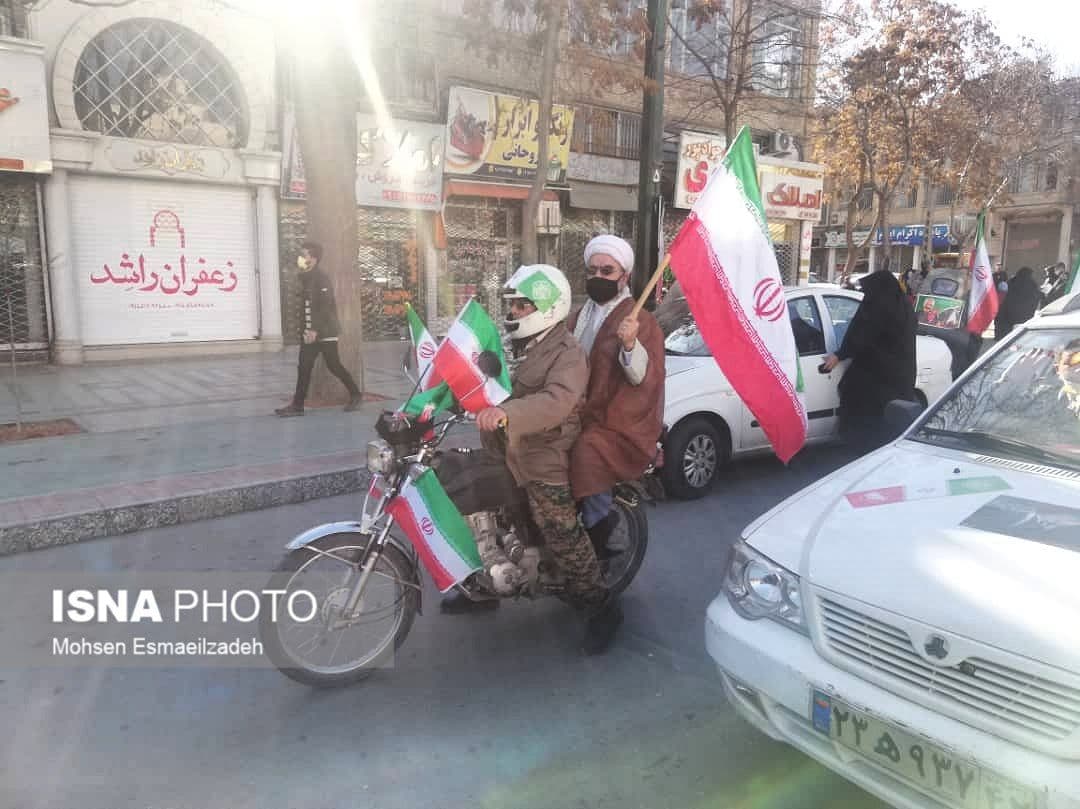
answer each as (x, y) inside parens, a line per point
(544, 410)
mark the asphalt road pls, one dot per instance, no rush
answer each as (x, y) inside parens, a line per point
(495, 710)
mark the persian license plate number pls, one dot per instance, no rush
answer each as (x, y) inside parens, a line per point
(936, 770)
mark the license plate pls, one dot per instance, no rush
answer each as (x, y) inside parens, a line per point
(954, 780)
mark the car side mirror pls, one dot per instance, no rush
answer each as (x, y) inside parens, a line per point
(489, 364)
(901, 414)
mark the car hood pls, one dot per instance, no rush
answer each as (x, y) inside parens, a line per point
(972, 548)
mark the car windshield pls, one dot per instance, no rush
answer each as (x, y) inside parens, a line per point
(1022, 403)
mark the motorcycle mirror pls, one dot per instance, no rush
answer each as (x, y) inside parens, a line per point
(489, 364)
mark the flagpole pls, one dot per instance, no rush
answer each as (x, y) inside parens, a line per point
(649, 286)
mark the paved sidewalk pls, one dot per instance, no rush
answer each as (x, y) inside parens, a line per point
(176, 440)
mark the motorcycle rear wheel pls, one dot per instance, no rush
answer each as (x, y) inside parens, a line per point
(389, 594)
(631, 538)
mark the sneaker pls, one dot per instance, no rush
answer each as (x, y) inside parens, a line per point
(600, 628)
(289, 410)
(460, 604)
(354, 403)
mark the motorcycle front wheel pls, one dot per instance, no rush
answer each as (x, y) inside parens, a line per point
(330, 649)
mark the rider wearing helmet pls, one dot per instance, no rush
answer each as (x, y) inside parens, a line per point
(542, 421)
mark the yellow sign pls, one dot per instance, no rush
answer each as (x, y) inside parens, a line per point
(493, 135)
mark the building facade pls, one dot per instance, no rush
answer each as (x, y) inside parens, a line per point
(159, 202)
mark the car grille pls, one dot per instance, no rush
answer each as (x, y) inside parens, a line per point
(1046, 708)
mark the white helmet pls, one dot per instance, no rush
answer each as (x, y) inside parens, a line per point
(549, 292)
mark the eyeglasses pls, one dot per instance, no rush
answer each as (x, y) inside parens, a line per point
(607, 271)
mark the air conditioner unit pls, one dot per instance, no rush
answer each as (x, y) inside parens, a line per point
(781, 143)
(549, 217)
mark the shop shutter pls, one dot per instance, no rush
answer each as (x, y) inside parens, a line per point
(23, 323)
(161, 262)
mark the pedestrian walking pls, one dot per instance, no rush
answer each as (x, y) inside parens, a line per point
(880, 342)
(321, 329)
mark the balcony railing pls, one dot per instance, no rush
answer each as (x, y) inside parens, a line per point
(608, 133)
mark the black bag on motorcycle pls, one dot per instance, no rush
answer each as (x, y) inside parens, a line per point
(478, 480)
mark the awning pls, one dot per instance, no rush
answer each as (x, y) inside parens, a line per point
(603, 196)
(471, 188)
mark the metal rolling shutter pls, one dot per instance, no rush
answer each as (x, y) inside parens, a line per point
(171, 233)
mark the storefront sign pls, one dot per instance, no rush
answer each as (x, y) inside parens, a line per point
(399, 165)
(699, 154)
(494, 135)
(899, 235)
(24, 116)
(167, 159)
(791, 192)
(163, 262)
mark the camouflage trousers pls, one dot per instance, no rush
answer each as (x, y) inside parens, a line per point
(556, 515)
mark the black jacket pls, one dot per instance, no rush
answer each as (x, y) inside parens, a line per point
(319, 311)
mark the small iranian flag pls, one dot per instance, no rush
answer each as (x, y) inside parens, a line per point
(457, 358)
(982, 299)
(437, 530)
(424, 346)
(723, 258)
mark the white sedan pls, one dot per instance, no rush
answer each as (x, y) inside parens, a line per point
(708, 424)
(912, 621)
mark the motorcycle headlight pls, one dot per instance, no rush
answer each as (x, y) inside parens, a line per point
(380, 457)
(757, 587)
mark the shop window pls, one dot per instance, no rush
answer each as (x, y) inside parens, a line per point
(154, 80)
(12, 18)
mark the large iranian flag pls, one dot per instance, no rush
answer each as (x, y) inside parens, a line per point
(437, 530)
(723, 258)
(424, 346)
(456, 360)
(982, 299)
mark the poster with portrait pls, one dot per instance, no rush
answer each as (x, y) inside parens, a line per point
(939, 311)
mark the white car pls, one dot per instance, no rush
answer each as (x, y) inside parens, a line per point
(912, 620)
(708, 424)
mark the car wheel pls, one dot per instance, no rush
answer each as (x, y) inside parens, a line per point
(692, 457)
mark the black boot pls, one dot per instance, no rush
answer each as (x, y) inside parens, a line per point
(601, 533)
(289, 410)
(601, 626)
(460, 604)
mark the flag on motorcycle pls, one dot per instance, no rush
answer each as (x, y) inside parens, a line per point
(456, 360)
(425, 404)
(437, 530)
(982, 298)
(724, 261)
(424, 347)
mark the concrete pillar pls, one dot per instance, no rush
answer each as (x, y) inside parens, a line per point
(916, 257)
(266, 214)
(872, 258)
(1066, 237)
(64, 286)
(830, 271)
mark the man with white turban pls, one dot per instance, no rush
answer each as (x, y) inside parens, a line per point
(624, 407)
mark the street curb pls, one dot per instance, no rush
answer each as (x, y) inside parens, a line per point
(192, 507)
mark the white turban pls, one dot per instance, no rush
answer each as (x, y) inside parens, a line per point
(608, 245)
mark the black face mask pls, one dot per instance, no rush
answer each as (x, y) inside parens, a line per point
(600, 289)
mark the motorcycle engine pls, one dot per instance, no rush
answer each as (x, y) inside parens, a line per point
(509, 566)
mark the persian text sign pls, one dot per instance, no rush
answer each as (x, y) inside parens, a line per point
(699, 154)
(24, 116)
(399, 164)
(494, 135)
(162, 264)
(791, 193)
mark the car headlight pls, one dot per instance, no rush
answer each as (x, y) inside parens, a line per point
(380, 457)
(757, 587)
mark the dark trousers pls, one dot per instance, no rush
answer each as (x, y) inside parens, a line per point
(309, 352)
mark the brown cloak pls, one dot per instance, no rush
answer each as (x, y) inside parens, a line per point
(621, 422)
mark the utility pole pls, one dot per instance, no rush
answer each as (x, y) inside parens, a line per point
(652, 147)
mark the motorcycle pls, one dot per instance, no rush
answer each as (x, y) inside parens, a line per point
(363, 578)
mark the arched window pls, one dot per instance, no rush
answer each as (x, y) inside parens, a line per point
(155, 80)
